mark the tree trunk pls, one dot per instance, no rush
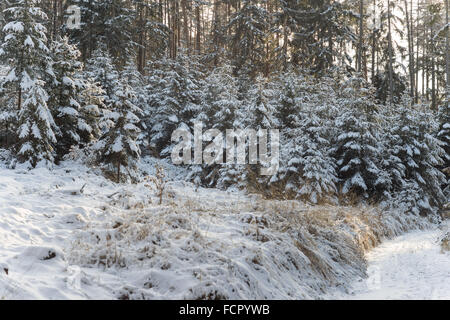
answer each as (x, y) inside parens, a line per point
(410, 50)
(19, 100)
(185, 25)
(198, 31)
(374, 21)
(391, 71)
(361, 35)
(447, 56)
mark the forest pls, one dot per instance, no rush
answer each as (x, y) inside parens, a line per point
(96, 94)
(358, 89)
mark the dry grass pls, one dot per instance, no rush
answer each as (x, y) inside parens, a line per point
(325, 244)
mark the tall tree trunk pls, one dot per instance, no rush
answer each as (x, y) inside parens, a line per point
(217, 36)
(447, 55)
(410, 50)
(433, 72)
(361, 35)
(285, 42)
(199, 29)
(391, 71)
(374, 44)
(417, 52)
(19, 99)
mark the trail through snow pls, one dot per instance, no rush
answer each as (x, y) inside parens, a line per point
(409, 267)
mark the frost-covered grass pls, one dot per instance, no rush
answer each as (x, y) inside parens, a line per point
(70, 233)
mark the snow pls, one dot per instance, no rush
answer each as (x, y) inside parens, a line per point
(69, 233)
(15, 26)
(410, 267)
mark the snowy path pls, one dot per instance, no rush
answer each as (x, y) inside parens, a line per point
(409, 267)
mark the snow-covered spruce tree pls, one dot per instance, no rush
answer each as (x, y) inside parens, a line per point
(421, 154)
(312, 170)
(100, 69)
(220, 102)
(219, 110)
(391, 177)
(24, 49)
(8, 123)
(288, 106)
(258, 112)
(36, 135)
(174, 96)
(307, 169)
(287, 114)
(65, 94)
(104, 21)
(444, 136)
(91, 122)
(119, 147)
(26, 54)
(444, 132)
(249, 25)
(357, 143)
(136, 82)
(261, 105)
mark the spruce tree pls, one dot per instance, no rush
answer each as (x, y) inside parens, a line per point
(421, 154)
(91, 122)
(66, 94)
(119, 147)
(24, 50)
(101, 69)
(36, 136)
(357, 142)
(26, 54)
(174, 95)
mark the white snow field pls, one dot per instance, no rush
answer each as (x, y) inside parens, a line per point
(69, 233)
(410, 267)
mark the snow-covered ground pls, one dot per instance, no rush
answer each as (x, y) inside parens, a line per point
(69, 233)
(410, 267)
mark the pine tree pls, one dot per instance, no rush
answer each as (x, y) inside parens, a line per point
(119, 146)
(357, 142)
(318, 176)
(306, 110)
(36, 135)
(100, 69)
(108, 22)
(24, 49)
(250, 25)
(444, 132)
(174, 95)
(66, 94)
(421, 154)
(288, 106)
(91, 122)
(136, 82)
(260, 102)
(219, 110)
(26, 54)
